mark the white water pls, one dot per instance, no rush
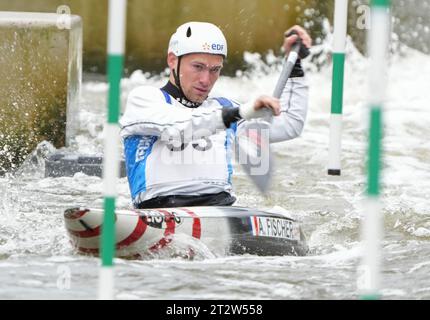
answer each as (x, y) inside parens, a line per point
(37, 261)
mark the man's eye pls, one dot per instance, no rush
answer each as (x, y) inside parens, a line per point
(216, 70)
(198, 67)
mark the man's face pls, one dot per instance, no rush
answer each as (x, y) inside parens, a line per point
(198, 74)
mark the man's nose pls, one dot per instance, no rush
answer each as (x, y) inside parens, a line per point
(205, 77)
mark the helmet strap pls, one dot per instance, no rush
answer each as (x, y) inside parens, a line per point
(176, 77)
(182, 98)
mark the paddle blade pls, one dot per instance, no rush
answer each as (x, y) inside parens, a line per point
(253, 153)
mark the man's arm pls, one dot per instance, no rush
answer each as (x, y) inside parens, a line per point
(147, 113)
(294, 106)
(294, 98)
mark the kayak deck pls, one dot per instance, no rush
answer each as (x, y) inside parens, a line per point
(222, 230)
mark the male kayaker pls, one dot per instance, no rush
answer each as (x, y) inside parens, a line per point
(178, 139)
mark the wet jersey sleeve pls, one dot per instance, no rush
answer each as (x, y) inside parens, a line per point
(294, 105)
(148, 113)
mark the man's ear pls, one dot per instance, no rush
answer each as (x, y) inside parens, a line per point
(172, 60)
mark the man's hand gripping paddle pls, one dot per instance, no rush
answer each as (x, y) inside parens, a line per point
(253, 145)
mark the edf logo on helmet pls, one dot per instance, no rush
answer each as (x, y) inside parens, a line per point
(217, 47)
(214, 46)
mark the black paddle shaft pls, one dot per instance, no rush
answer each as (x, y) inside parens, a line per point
(298, 50)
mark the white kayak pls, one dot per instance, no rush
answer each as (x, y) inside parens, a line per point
(222, 230)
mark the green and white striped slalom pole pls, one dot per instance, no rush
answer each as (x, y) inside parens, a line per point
(116, 44)
(378, 41)
(339, 42)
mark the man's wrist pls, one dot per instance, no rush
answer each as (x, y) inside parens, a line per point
(297, 70)
(230, 115)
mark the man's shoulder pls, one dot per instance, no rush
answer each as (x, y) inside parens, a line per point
(223, 101)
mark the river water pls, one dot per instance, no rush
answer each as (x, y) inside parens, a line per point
(38, 262)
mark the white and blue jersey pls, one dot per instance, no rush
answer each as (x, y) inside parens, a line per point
(171, 149)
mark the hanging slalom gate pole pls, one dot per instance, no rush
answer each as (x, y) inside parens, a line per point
(339, 41)
(378, 39)
(116, 44)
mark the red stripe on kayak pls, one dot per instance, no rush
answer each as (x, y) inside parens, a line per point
(170, 221)
(94, 232)
(170, 230)
(138, 231)
(88, 233)
(197, 229)
(256, 226)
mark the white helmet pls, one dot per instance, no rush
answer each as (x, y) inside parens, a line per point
(198, 37)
